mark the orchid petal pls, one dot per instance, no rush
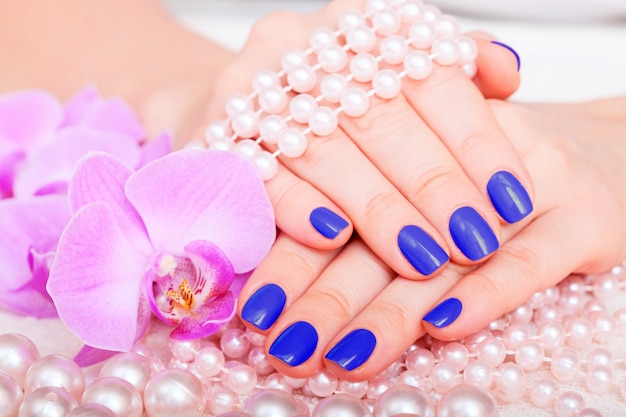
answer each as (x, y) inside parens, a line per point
(207, 319)
(156, 148)
(205, 195)
(29, 118)
(76, 106)
(56, 162)
(215, 272)
(8, 165)
(101, 177)
(95, 280)
(88, 356)
(27, 225)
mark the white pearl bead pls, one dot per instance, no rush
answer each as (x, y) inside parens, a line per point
(293, 58)
(599, 379)
(412, 378)
(131, 367)
(467, 50)
(470, 69)
(564, 365)
(568, 404)
(543, 393)
(420, 360)
(341, 405)
(216, 130)
(273, 403)
(393, 49)
(246, 124)
(579, 332)
(47, 402)
(600, 356)
(405, 400)
(91, 410)
(354, 102)
(604, 326)
(247, 148)
(118, 395)
(386, 22)
(302, 78)
(510, 381)
(11, 396)
(478, 373)
(292, 143)
(361, 39)
(264, 79)
(184, 350)
(295, 382)
(467, 400)
(238, 103)
(257, 359)
(491, 351)
(456, 354)
(418, 65)
(447, 27)
(322, 38)
(620, 319)
(373, 6)
(443, 376)
(174, 392)
(514, 335)
(351, 20)
(589, 412)
(332, 86)
(386, 84)
(301, 106)
(445, 52)
(234, 343)
(529, 355)
(422, 35)
(273, 99)
(222, 144)
(277, 381)
(271, 127)
(378, 386)
(571, 302)
(363, 66)
(431, 13)
(222, 401)
(209, 361)
(332, 59)
(17, 354)
(356, 389)
(55, 371)
(266, 164)
(323, 383)
(323, 121)
(411, 10)
(241, 379)
(521, 315)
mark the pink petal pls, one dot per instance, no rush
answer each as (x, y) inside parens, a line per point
(205, 195)
(29, 118)
(55, 162)
(207, 320)
(88, 356)
(213, 267)
(76, 106)
(101, 177)
(8, 166)
(156, 148)
(95, 280)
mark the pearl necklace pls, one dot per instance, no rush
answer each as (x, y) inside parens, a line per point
(558, 337)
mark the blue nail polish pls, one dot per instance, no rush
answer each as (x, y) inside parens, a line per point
(504, 45)
(472, 234)
(295, 344)
(328, 223)
(264, 306)
(444, 313)
(509, 197)
(353, 350)
(421, 250)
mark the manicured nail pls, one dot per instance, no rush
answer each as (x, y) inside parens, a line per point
(509, 197)
(264, 306)
(472, 234)
(328, 223)
(353, 350)
(504, 45)
(295, 344)
(444, 313)
(421, 250)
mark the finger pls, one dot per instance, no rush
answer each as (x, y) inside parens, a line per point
(497, 74)
(296, 342)
(283, 276)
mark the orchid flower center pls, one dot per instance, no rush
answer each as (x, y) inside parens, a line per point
(183, 296)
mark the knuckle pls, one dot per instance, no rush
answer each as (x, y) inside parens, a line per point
(301, 264)
(275, 25)
(474, 138)
(394, 313)
(380, 203)
(432, 181)
(340, 303)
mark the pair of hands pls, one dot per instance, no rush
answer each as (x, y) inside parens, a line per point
(356, 305)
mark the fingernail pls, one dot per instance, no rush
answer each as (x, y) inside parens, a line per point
(353, 350)
(421, 250)
(264, 306)
(504, 45)
(472, 234)
(328, 223)
(509, 197)
(295, 344)
(444, 313)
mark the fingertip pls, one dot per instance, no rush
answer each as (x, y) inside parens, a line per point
(498, 66)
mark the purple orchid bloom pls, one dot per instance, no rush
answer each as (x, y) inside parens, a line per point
(169, 238)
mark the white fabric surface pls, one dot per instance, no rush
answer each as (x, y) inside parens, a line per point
(562, 62)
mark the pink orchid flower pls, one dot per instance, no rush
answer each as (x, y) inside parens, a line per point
(169, 238)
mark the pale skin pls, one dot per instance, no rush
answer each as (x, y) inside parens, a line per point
(571, 153)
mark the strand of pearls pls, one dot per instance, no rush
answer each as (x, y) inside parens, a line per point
(560, 336)
(368, 55)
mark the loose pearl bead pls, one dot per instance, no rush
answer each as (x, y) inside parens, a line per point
(600, 356)
(323, 383)
(273, 99)
(301, 106)
(11, 396)
(547, 313)
(55, 371)
(209, 361)
(579, 333)
(363, 66)
(47, 402)
(529, 355)
(246, 124)
(386, 22)
(411, 378)
(604, 327)
(17, 354)
(292, 143)
(174, 392)
(91, 410)
(302, 78)
(332, 87)
(322, 38)
(333, 58)
(543, 393)
(256, 339)
(354, 389)
(354, 102)
(386, 84)
(118, 395)
(293, 58)
(571, 302)
(341, 405)
(234, 344)
(491, 351)
(478, 373)
(400, 400)
(378, 386)
(296, 382)
(564, 365)
(131, 367)
(568, 404)
(418, 65)
(222, 401)
(467, 49)
(467, 400)
(514, 335)
(422, 35)
(605, 286)
(241, 379)
(184, 350)
(447, 27)
(420, 360)
(266, 165)
(551, 335)
(264, 79)
(510, 381)
(271, 403)
(361, 39)
(443, 376)
(247, 148)
(456, 354)
(323, 121)
(521, 315)
(393, 49)
(238, 103)
(277, 381)
(599, 379)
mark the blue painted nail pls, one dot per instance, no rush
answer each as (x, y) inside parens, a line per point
(472, 234)
(264, 306)
(421, 250)
(295, 344)
(504, 45)
(328, 223)
(444, 313)
(353, 350)
(509, 197)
